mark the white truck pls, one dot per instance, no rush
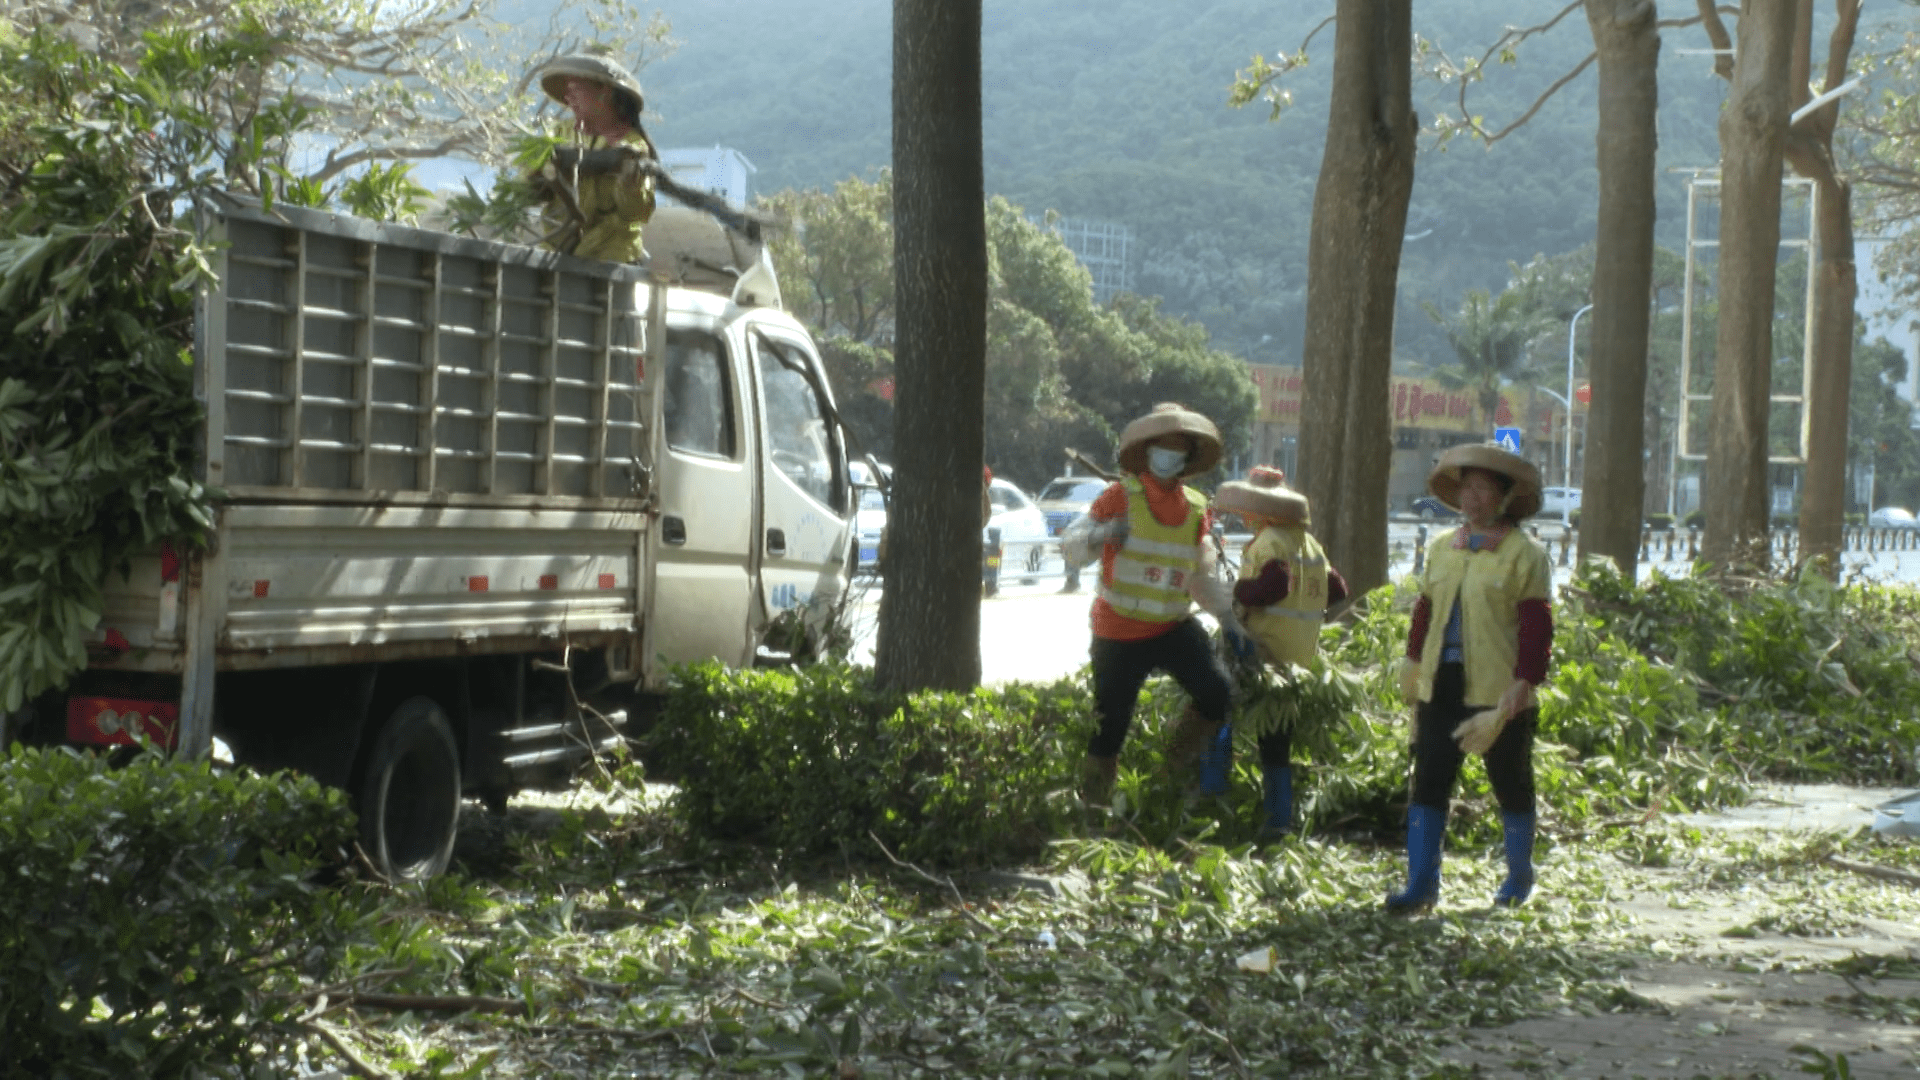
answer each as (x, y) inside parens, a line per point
(465, 486)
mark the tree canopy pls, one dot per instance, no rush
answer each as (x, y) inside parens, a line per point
(1062, 371)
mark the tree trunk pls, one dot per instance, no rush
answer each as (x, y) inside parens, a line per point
(1753, 128)
(1810, 150)
(1627, 40)
(1353, 263)
(929, 633)
(1823, 502)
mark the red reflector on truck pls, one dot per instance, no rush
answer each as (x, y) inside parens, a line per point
(477, 583)
(549, 581)
(607, 581)
(102, 721)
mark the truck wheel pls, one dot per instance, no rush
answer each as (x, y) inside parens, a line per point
(410, 796)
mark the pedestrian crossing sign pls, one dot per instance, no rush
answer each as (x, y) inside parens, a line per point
(1508, 439)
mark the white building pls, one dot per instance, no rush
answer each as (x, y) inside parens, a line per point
(719, 170)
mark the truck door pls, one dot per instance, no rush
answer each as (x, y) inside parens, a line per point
(805, 497)
(703, 586)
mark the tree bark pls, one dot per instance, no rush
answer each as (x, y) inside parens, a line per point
(929, 635)
(1753, 128)
(1627, 39)
(1353, 263)
(1809, 149)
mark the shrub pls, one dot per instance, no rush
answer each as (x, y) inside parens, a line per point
(1697, 519)
(1810, 680)
(152, 910)
(816, 758)
(1660, 522)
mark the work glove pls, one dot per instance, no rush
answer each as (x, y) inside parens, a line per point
(1080, 541)
(1111, 531)
(1241, 643)
(1477, 734)
(1410, 680)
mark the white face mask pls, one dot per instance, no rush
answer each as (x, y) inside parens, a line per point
(1165, 462)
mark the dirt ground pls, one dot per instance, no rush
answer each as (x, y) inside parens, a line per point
(1729, 1004)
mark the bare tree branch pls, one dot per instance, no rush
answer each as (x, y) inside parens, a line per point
(1538, 102)
(1717, 34)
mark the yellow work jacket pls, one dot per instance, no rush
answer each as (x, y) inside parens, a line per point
(1289, 631)
(1489, 585)
(1150, 571)
(615, 204)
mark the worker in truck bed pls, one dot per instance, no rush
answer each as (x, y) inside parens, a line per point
(597, 196)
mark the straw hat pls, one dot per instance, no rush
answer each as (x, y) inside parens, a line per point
(626, 88)
(1522, 502)
(1263, 492)
(1171, 418)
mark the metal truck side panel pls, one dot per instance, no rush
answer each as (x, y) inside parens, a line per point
(303, 577)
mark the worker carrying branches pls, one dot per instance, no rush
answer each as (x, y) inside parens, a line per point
(599, 193)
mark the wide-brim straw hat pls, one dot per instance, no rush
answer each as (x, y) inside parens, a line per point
(553, 80)
(1523, 500)
(1169, 418)
(1263, 492)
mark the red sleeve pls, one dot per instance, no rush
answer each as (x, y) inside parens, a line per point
(1270, 586)
(1110, 504)
(1536, 641)
(1336, 587)
(1417, 632)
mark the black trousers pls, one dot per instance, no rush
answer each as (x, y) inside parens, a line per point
(1121, 667)
(1437, 758)
(1276, 749)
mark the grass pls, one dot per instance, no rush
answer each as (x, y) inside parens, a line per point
(642, 951)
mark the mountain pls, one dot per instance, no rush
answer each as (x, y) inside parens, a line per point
(1117, 112)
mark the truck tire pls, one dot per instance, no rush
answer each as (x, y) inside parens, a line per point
(409, 798)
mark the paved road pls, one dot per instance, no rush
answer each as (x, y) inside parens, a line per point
(1032, 632)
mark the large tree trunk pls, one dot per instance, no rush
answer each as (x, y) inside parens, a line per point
(1353, 262)
(1753, 128)
(1627, 39)
(930, 612)
(1809, 149)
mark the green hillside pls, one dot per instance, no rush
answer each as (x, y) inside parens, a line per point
(1117, 112)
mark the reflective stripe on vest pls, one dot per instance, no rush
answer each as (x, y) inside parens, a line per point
(1150, 571)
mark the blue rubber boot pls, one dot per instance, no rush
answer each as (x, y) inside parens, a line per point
(1278, 803)
(1216, 763)
(1426, 827)
(1518, 832)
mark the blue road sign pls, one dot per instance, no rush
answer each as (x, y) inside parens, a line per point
(1508, 438)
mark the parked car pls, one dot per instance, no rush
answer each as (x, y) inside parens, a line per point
(1066, 498)
(870, 520)
(1892, 517)
(1428, 507)
(870, 512)
(1555, 501)
(1023, 528)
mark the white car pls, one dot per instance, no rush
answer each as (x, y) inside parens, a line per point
(1892, 517)
(870, 520)
(1023, 528)
(1555, 501)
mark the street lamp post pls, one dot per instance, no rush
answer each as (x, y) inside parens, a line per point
(1566, 468)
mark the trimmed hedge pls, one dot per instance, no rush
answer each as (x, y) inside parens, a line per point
(815, 759)
(152, 911)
